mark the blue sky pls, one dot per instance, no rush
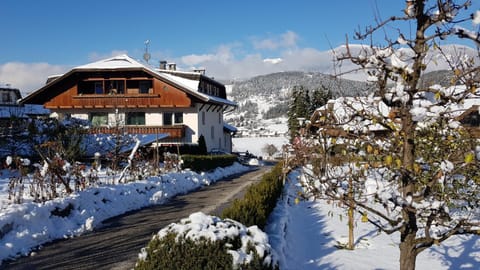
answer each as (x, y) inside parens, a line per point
(55, 35)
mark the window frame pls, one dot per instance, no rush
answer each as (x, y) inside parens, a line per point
(178, 118)
(167, 119)
(135, 116)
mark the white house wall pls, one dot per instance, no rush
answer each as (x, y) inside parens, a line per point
(192, 118)
(211, 120)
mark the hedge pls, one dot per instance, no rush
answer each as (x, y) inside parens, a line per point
(207, 162)
(259, 200)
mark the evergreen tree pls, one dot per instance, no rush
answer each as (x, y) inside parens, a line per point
(299, 107)
(320, 97)
(202, 145)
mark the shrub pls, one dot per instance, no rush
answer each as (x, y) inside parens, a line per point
(259, 200)
(207, 162)
(169, 253)
(207, 242)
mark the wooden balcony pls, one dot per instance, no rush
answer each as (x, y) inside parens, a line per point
(114, 101)
(174, 132)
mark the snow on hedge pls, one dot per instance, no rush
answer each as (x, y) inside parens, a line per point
(199, 225)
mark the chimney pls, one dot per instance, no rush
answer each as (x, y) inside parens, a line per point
(172, 66)
(163, 64)
(200, 70)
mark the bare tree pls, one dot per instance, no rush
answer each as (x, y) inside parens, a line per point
(270, 149)
(427, 184)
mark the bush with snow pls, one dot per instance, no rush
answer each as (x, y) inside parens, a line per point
(207, 242)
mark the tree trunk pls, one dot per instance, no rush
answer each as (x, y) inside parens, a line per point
(408, 234)
(408, 255)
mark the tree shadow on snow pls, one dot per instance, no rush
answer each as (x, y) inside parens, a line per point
(462, 252)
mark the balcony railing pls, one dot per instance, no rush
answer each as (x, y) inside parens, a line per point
(174, 132)
(112, 101)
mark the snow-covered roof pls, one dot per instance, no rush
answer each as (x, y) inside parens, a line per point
(6, 86)
(23, 111)
(229, 128)
(116, 62)
(125, 62)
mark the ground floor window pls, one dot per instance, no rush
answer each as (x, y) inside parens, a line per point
(167, 119)
(136, 118)
(170, 118)
(98, 119)
(178, 118)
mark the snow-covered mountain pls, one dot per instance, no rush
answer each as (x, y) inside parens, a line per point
(263, 100)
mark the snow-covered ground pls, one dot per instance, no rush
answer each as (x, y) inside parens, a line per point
(255, 145)
(28, 225)
(303, 234)
(274, 131)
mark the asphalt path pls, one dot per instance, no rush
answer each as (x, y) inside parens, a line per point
(116, 244)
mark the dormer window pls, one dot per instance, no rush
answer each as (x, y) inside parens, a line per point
(6, 97)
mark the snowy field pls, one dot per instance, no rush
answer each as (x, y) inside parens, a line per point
(255, 145)
(303, 235)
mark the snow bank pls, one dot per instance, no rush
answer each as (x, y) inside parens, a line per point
(28, 225)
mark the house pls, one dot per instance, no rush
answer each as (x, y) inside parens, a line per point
(350, 116)
(469, 115)
(121, 92)
(15, 119)
(11, 110)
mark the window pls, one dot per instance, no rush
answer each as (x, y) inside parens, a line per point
(98, 87)
(98, 119)
(6, 97)
(115, 86)
(178, 118)
(90, 87)
(167, 119)
(212, 130)
(144, 87)
(172, 118)
(139, 86)
(136, 118)
(219, 118)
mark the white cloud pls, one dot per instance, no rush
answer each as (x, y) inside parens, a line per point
(28, 77)
(273, 61)
(286, 40)
(224, 63)
(289, 39)
(194, 59)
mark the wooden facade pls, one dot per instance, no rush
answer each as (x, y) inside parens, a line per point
(159, 94)
(123, 85)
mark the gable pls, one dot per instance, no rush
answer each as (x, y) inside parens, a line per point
(124, 82)
(93, 89)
